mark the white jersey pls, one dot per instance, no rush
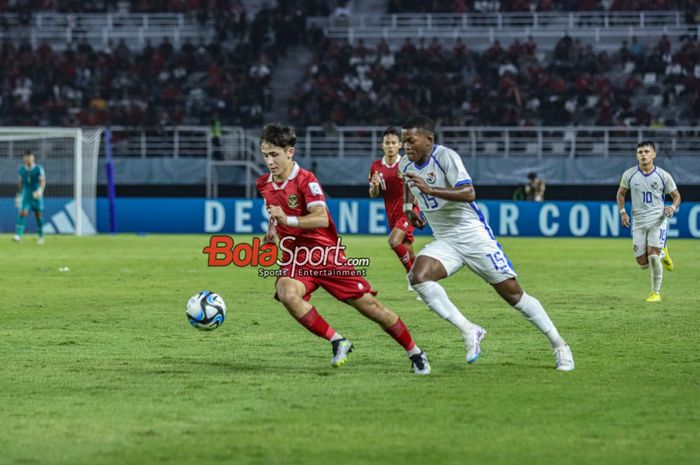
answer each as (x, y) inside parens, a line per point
(648, 192)
(448, 219)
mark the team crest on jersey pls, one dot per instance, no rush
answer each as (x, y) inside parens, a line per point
(431, 178)
(654, 185)
(293, 201)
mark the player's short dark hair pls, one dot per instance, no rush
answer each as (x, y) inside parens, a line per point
(420, 122)
(28, 152)
(647, 143)
(391, 131)
(279, 135)
(531, 175)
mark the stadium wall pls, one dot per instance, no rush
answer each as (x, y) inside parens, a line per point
(484, 170)
(577, 179)
(351, 216)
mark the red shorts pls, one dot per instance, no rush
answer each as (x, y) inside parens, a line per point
(342, 282)
(403, 224)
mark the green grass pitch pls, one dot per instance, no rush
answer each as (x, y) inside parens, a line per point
(99, 365)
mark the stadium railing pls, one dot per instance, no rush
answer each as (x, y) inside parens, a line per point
(543, 141)
(98, 28)
(238, 144)
(491, 26)
(179, 141)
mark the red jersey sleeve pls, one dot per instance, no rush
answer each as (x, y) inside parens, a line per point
(311, 189)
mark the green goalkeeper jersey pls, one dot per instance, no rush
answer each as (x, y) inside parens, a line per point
(31, 178)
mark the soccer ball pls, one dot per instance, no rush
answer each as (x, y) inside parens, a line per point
(206, 310)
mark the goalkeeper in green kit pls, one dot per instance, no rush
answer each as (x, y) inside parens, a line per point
(30, 195)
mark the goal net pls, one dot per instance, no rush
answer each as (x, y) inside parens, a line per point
(69, 157)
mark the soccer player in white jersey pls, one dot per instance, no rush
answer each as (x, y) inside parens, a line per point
(649, 185)
(436, 176)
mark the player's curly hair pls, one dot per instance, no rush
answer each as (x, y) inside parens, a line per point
(279, 135)
(420, 122)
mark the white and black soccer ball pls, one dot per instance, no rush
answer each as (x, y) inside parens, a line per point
(206, 310)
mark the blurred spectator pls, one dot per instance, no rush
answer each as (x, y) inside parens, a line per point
(534, 189)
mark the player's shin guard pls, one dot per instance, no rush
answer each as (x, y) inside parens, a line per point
(20, 225)
(404, 255)
(657, 273)
(435, 297)
(534, 312)
(316, 324)
(399, 332)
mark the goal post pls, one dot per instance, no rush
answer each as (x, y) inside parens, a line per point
(70, 160)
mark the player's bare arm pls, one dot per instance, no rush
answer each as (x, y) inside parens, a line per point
(40, 191)
(18, 197)
(621, 194)
(408, 201)
(375, 185)
(317, 217)
(675, 203)
(271, 234)
(463, 193)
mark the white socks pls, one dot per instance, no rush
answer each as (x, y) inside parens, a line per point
(416, 350)
(435, 296)
(533, 311)
(657, 273)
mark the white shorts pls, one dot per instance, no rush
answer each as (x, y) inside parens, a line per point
(652, 236)
(485, 258)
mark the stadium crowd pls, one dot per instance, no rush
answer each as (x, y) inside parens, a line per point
(155, 86)
(158, 85)
(229, 78)
(513, 85)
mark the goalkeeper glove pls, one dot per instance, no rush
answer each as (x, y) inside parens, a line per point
(18, 200)
(37, 194)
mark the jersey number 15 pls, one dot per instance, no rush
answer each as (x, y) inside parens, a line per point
(429, 201)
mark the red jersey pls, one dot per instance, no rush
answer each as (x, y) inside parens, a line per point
(295, 196)
(393, 192)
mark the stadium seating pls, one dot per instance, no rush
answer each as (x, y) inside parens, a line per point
(146, 64)
(158, 63)
(516, 84)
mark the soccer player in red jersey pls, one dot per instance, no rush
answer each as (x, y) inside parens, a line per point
(384, 180)
(300, 221)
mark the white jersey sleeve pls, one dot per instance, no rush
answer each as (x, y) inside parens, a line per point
(625, 181)
(669, 183)
(450, 162)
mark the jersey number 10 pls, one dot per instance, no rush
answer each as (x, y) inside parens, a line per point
(646, 197)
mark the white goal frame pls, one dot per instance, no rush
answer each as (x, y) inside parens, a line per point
(22, 133)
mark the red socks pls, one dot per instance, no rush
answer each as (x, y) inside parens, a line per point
(400, 333)
(317, 325)
(404, 255)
